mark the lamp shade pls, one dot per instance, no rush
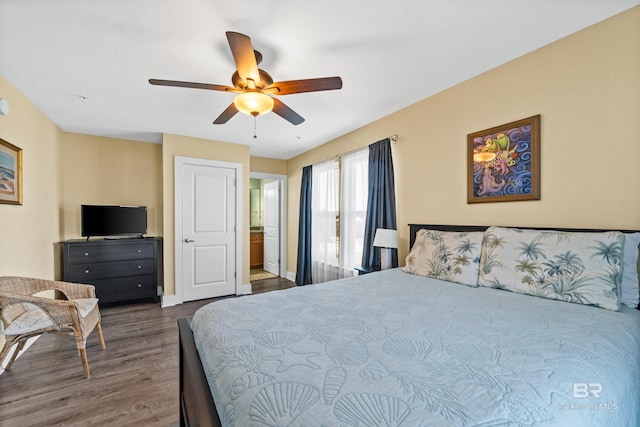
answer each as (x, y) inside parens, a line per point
(386, 238)
(253, 103)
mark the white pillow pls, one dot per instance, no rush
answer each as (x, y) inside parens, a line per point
(446, 255)
(630, 288)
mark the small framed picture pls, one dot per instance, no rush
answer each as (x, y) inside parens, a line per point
(10, 173)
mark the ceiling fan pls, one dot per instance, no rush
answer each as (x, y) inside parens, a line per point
(255, 87)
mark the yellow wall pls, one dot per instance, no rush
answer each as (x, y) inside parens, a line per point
(107, 171)
(587, 89)
(175, 145)
(29, 232)
(266, 165)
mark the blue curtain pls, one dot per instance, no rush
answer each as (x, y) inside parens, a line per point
(303, 270)
(381, 201)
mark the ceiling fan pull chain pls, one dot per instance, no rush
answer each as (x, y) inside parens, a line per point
(254, 127)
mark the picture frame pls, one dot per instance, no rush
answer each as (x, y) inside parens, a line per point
(503, 162)
(10, 173)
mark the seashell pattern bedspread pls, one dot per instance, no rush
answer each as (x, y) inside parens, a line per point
(391, 348)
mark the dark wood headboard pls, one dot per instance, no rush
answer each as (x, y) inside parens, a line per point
(414, 228)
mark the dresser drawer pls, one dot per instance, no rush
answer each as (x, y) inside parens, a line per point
(256, 237)
(82, 254)
(86, 273)
(125, 288)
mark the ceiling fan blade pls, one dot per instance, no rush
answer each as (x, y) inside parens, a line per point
(286, 113)
(192, 85)
(226, 115)
(306, 85)
(244, 56)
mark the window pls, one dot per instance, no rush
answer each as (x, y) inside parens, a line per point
(339, 205)
(353, 208)
(324, 220)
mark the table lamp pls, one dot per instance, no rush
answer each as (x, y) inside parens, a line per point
(386, 240)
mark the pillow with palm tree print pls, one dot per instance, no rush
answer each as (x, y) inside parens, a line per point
(583, 268)
(446, 255)
(630, 292)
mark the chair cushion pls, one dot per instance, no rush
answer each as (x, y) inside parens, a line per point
(86, 305)
(34, 318)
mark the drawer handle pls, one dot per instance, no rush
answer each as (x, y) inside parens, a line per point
(86, 271)
(139, 266)
(139, 250)
(139, 285)
(86, 254)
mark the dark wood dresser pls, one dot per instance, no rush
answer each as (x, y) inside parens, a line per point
(122, 270)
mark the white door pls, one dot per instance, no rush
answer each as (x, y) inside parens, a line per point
(272, 227)
(208, 231)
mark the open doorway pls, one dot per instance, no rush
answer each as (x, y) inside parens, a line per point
(267, 207)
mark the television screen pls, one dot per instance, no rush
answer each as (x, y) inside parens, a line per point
(113, 220)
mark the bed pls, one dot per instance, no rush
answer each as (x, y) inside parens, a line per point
(394, 348)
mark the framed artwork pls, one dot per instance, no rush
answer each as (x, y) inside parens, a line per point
(503, 163)
(10, 173)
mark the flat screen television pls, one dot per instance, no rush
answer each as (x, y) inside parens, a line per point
(99, 220)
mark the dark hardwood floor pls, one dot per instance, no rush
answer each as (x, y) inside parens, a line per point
(133, 382)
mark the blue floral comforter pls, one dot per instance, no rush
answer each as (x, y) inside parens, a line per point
(392, 348)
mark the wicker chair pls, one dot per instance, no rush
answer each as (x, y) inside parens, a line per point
(24, 315)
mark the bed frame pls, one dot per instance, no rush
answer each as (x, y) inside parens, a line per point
(196, 403)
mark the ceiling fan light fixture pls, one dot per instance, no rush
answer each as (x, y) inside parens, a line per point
(253, 103)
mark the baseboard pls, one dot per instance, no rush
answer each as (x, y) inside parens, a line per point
(169, 300)
(291, 276)
(245, 289)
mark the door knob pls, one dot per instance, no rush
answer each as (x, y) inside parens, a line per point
(188, 240)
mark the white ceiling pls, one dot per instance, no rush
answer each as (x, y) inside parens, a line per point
(86, 63)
